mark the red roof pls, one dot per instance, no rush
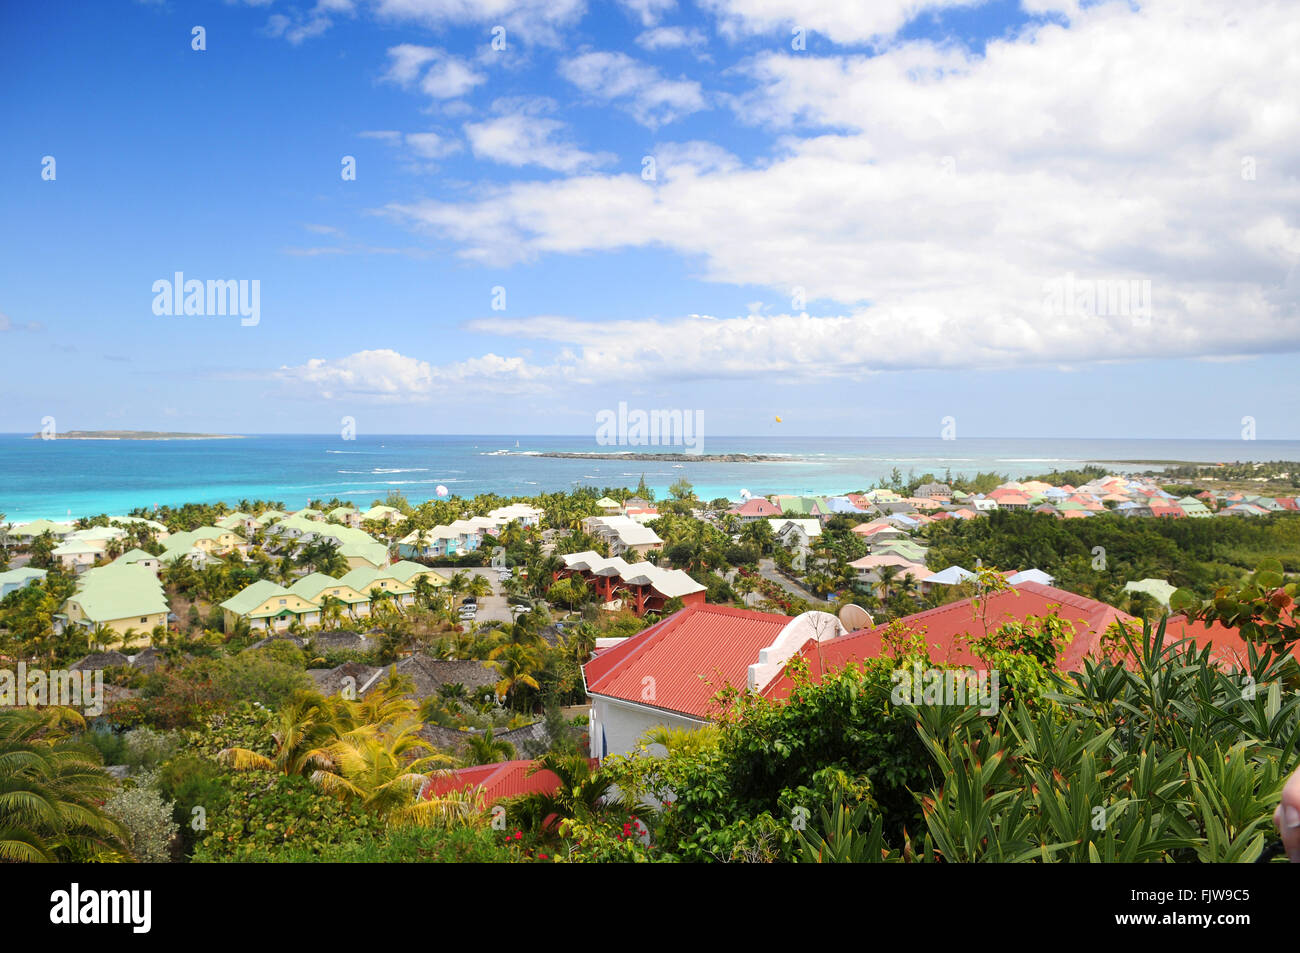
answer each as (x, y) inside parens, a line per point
(946, 629)
(1226, 645)
(497, 781)
(757, 507)
(679, 664)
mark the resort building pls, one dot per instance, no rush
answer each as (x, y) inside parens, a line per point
(755, 508)
(118, 598)
(641, 587)
(625, 535)
(138, 557)
(317, 588)
(795, 533)
(15, 579)
(383, 514)
(654, 677)
(267, 605)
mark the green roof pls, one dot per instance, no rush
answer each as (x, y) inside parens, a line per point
(253, 596)
(119, 592)
(605, 501)
(133, 556)
(310, 587)
(405, 570)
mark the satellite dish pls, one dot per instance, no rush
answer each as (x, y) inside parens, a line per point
(855, 617)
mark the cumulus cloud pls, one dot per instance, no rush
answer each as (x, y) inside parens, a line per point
(527, 21)
(842, 21)
(520, 139)
(435, 72)
(928, 198)
(671, 38)
(642, 90)
(649, 12)
(387, 376)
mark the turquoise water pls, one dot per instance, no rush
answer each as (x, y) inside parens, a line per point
(57, 478)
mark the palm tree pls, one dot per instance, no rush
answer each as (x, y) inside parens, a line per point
(581, 795)
(51, 789)
(306, 727)
(383, 769)
(487, 749)
(515, 664)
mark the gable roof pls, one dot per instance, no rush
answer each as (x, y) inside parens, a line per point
(688, 658)
(250, 597)
(946, 630)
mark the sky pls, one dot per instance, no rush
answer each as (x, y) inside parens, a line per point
(1035, 217)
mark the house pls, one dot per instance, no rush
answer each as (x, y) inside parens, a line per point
(138, 557)
(317, 588)
(76, 555)
(756, 508)
(1031, 575)
(529, 517)
(930, 490)
(211, 540)
(624, 535)
(1194, 508)
(910, 550)
(795, 533)
(952, 576)
(879, 531)
(239, 522)
(26, 532)
(266, 605)
(382, 514)
(358, 548)
(868, 568)
(494, 782)
(948, 629)
(669, 673)
(984, 504)
(373, 582)
(610, 507)
(15, 579)
(344, 515)
(409, 573)
(644, 587)
(118, 598)
(1166, 509)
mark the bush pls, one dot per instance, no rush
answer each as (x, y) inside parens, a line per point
(151, 829)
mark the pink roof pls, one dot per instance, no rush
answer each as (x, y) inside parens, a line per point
(497, 781)
(757, 507)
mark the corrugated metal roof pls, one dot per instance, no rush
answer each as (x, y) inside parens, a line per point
(680, 663)
(946, 629)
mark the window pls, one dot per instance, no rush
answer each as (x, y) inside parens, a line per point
(144, 619)
(284, 602)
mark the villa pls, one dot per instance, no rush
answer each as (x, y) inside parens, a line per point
(266, 605)
(15, 579)
(624, 534)
(643, 587)
(654, 677)
(118, 598)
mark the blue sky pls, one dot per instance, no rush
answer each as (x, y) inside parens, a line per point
(860, 235)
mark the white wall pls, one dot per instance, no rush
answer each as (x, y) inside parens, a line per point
(625, 724)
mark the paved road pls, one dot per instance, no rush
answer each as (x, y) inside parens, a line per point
(491, 608)
(767, 569)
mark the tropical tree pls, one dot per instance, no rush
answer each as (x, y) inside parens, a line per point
(486, 749)
(52, 789)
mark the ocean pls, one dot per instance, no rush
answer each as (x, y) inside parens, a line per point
(61, 478)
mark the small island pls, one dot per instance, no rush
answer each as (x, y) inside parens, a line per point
(134, 435)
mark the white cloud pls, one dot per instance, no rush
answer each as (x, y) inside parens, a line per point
(520, 139)
(842, 21)
(527, 22)
(671, 38)
(954, 187)
(649, 12)
(444, 76)
(386, 376)
(7, 324)
(651, 98)
(430, 145)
